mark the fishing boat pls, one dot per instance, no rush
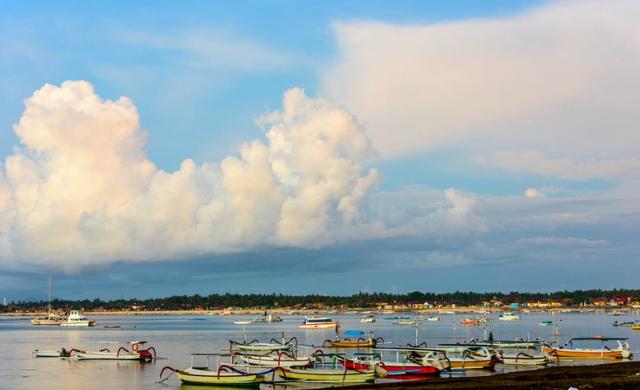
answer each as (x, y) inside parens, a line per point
(545, 323)
(51, 318)
(524, 359)
(63, 353)
(268, 318)
(363, 340)
(433, 319)
(508, 317)
(75, 319)
(222, 375)
(620, 350)
(276, 359)
(406, 322)
(330, 375)
(470, 322)
(626, 324)
(368, 319)
(257, 346)
(243, 322)
(137, 353)
(400, 367)
(501, 344)
(468, 357)
(318, 323)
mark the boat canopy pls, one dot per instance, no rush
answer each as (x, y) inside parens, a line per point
(353, 332)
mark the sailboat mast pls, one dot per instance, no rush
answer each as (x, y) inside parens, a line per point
(49, 294)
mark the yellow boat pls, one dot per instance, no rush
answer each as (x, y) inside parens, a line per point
(362, 341)
(621, 351)
(336, 375)
(221, 377)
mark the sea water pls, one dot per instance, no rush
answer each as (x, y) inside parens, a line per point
(176, 337)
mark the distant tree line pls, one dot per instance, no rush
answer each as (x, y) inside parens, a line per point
(359, 300)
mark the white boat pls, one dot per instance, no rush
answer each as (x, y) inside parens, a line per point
(77, 319)
(523, 359)
(255, 346)
(280, 360)
(433, 319)
(404, 322)
(318, 323)
(136, 353)
(368, 319)
(243, 322)
(63, 353)
(508, 317)
(269, 318)
(50, 318)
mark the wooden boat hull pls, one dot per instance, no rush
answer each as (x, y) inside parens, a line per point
(396, 370)
(524, 360)
(352, 344)
(471, 364)
(270, 361)
(320, 375)
(585, 353)
(208, 377)
(320, 325)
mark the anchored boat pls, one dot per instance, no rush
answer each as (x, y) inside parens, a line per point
(281, 359)
(586, 350)
(137, 353)
(363, 340)
(256, 346)
(76, 319)
(508, 317)
(331, 375)
(368, 319)
(400, 366)
(524, 359)
(318, 323)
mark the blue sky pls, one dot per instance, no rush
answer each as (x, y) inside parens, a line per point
(501, 143)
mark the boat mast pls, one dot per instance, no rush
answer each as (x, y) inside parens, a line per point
(49, 294)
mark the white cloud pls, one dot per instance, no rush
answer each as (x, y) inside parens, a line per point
(83, 191)
(560, 79)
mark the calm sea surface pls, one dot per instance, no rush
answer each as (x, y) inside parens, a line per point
(175, 337)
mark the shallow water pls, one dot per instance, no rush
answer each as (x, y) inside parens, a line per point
(175, 337)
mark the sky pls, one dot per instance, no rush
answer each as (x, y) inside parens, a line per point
(161, 148)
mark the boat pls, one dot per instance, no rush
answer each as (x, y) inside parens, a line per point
(402, 367)
(433, 319)
(76, 319)
(470, 322)
(524, 359)
(406, 322)
(137, 353)
(627, 324)
(461, 357)
(51, 318)
(508, 317)
(223, 375)
(620, 350)
(281, 359)
(545, 323)
(243, 322)
(363, 340)
(324, 375)
(501, 344)
(256, 346)
(268, 318)
(368, 319)
(63, 353)
(318, 323)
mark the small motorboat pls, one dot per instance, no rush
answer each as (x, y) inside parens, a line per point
(433, 319)
(318, 323)
(620, 350)
(136, 353)
(470, 322)
(626, 324)
(508, 317)
(362, 341)
(368, 319)
(545, 323)
(76, 319)
(268, 318)
(243, 322)
(63, 353)
(406, 322)
(467, 357)
(223, 375)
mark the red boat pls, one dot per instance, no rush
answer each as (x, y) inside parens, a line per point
(400, 370)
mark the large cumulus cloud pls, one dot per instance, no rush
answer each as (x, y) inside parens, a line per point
(81, 189)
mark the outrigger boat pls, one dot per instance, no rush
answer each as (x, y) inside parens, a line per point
(620, 351)
(402, 367)
(136, 353)
(318, 323)
(523, 359)
(323, 375)
(281, 359)
(223, 375)
(271, 346)
(466, 356)
(360, 342)
(627, 324)
(63, 353)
